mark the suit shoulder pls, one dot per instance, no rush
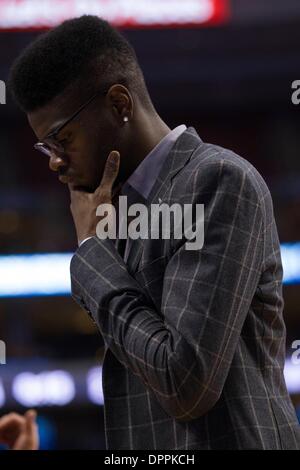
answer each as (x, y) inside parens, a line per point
(214, 163)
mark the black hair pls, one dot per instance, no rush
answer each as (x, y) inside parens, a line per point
(86, 52)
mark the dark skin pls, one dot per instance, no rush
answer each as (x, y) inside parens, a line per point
(101, 150)
(19, 432)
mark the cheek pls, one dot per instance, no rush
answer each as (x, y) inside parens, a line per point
(94, 147)
(93, 162)
(82, 152)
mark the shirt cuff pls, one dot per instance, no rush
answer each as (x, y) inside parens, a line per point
(85, 240)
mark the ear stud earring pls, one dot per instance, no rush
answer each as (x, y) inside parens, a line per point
(125, 119)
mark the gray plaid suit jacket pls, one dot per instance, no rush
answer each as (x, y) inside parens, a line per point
(195, 340)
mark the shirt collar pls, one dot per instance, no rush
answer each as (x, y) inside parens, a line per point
(145, 175)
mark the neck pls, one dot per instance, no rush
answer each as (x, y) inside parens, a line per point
(147, 131)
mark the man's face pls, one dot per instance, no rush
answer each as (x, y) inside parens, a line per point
(87, 140)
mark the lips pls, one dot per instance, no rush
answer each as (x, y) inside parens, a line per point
(65, 179)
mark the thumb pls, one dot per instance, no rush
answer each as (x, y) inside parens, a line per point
(111, 170)
(30, 420)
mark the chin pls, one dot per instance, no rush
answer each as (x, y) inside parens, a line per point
(84, 188)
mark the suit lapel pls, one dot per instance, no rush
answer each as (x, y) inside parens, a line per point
(175, 161)
(133, 197)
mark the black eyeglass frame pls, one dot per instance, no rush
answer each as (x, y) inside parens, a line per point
(55, 146)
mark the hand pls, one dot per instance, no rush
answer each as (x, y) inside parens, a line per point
(19, 432)
(84, 205)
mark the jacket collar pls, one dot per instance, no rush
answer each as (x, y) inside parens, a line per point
(177, 158)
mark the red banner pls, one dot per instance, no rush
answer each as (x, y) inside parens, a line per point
(43, 14)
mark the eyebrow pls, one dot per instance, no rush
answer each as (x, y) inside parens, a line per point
(53, 129)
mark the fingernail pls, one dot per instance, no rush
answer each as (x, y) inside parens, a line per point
(114, 157)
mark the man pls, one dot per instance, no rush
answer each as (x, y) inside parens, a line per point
(194, 339)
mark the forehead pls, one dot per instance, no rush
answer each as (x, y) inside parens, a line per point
(47, 118)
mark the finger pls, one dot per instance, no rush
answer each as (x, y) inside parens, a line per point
(30, 420)
(31, 441)
(10, 426)
(10, 420)
(73, 191)
(116, 190)
(111, 171)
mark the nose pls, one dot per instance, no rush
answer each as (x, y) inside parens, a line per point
(56, 162)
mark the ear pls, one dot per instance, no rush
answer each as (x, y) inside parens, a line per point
(121, 103)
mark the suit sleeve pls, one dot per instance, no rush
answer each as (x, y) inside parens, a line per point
(183, 352)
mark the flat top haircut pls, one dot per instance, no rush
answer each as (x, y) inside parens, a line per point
(86, 52)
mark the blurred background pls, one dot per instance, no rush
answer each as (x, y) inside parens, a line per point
(224, 67)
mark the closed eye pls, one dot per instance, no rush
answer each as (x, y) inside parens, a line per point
(65, 140)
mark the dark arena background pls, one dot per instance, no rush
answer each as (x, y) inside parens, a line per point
(227, 67)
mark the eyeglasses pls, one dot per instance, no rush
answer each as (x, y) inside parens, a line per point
(50, 145)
